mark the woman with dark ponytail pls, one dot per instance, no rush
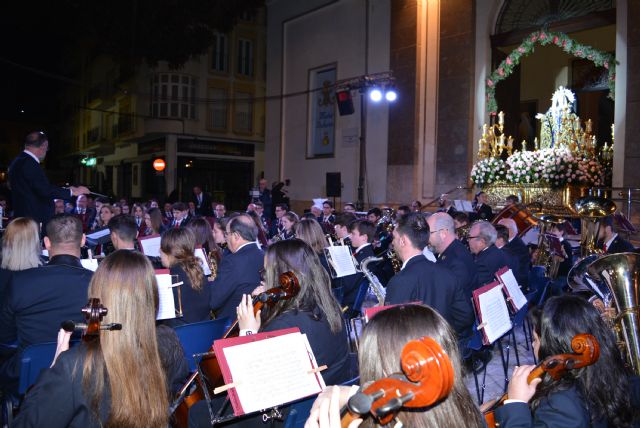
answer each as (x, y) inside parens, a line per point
(177, 253)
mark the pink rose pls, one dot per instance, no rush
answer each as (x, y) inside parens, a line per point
(521, 50)
(578, 53)
(534, 37)
(509, 62)
(564, 43)
(606, 65)
(501, 71)
(543, 36)
(555, 40)
(489, 83)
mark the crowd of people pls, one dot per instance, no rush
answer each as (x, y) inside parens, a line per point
(432, 262)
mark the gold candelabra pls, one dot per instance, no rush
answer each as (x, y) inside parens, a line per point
(493, 142)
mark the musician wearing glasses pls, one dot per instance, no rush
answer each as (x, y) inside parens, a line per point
(32, 193)
(488, 258)
(239, 271)
(452, 253)
(420, 280)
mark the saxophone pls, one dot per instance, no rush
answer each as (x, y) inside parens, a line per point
(374, 282)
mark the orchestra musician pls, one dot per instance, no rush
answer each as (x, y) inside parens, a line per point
(488, 258)
(379, 354)
(424, 281)
(138, 214)
(349, 208)
(341, 227)
(310, 231)
(276, 224)
(239, 271)
(153, 222)
(21, 249)
(597, 395)
(518, 249)
(177, 254)
(314, 311)
(612, 243)
(37, 300)
(502, 237)
(205, 239)
(122, 379)
(289, 219)
(362, 233)
(564, 260)
(481, 211)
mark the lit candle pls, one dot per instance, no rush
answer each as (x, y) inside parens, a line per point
(588, 126)
(501, 118)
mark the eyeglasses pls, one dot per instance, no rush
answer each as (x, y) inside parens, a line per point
(436, 231)
(469, 238)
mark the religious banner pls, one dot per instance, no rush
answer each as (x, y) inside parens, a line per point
(322, 112)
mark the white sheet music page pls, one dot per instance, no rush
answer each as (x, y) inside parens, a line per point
(167, 306)
(99, 234)
(494, 314)
(272, 372)
(91, 264)
(151, 246)
(518, 299)
(467, 206)
(199, 253)
(341, 260)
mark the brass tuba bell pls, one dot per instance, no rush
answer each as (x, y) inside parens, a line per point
(621, 273)
(591, 211)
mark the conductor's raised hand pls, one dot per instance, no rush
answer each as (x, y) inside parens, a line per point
(79, 190)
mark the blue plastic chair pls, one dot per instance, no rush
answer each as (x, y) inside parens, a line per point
(197, 338)
(35, 358)
(363, 287)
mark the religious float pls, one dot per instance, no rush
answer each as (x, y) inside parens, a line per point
(564, 162)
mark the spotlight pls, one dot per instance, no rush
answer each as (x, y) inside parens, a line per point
(345, 102)
(375, 95)
(391, 95)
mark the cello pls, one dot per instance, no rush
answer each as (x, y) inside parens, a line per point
(426, 379)
(93, 312)
(193, 391)
(586, 352)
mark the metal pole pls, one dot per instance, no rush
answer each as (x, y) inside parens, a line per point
(363, 150)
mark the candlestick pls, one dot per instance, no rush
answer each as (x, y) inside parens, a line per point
(501, 118)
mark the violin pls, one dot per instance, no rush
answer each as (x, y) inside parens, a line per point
(93, 312)
(426, 378)
(586, 352)
(192, 391)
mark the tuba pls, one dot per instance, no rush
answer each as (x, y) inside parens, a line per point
(621, 273)
(591, 211)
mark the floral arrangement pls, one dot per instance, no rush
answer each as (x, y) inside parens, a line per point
(570, 46)
(488, 171)
(555, 167)
(523, 167)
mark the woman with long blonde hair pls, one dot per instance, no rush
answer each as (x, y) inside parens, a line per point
(177, 252)
(117, 380)
(21, 249)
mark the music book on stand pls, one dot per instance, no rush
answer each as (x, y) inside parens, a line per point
(150, 245)
(492, 311)
(268, 369)
(199, 253)
(515, 296)
(463, 205)
(340, 261)
(167, 302)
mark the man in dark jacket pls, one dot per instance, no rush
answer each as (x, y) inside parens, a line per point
(239, 272)
(488, 258)
(39, 299)
(420, 280)
(32, 194)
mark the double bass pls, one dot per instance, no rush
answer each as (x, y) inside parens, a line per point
(427, 377)
(586, 352)
(193, 389)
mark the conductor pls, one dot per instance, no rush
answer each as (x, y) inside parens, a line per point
(31, 191)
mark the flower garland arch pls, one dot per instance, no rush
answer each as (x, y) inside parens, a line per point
(570, 46)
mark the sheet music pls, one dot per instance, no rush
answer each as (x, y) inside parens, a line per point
(279, 375)
(463, 205)
(99, 234)
(341, 260)
(203, 261)
(150, 246)
(167, 304)
(91, 264)
(494, 313)
(518, 299)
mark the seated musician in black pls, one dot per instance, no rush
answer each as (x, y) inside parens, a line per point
(362, 233)
(421, 280)
(124, 232)
(341, 227)
(488, 258)
(612, 243)
(314, 311)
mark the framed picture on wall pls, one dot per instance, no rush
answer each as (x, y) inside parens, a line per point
(321, 133)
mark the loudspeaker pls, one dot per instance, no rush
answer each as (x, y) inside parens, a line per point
(345, 102)
(334, 185)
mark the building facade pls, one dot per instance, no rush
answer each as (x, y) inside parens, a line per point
(205, 120)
